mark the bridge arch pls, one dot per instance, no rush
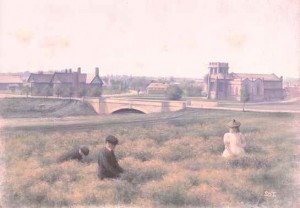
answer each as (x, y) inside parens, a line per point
(119, 109)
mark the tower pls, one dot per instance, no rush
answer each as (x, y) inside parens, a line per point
(218, 71)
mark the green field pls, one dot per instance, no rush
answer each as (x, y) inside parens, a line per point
(43, 107)
(292, 105)
(171, 159)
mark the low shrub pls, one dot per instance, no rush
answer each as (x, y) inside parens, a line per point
(215, 145)
(51, 174)
(176, 123)
(249, 161)
(181, 149)
(273, 178)
(204, 195)
(140, 172)
(37, 193)
(125, 192)
(58, 198)
(171, 190)
(247, 193)
(143, 150)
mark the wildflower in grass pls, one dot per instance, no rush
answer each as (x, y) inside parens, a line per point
(124, 192)
(205, 195)
(37, 192)
(139, 149)
(59, 198)
(180, 149)
(246, 192)
(171, 190)
(252, 161)
(159, 173)
(140, 172)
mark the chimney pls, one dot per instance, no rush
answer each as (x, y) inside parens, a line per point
(66, 70)
(76, 84)
(70, 70)
(97, 71)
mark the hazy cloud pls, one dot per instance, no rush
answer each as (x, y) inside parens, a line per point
(23, 36)
(236, 41)
(55, 42)
(166, 36)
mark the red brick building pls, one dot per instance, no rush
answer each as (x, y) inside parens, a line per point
(157, 88)
(65, 83)
(222, 85)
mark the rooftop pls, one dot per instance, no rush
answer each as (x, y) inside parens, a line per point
(40, 78)
(68, 77)
(268, 77)
(158, 85)
(10, 79)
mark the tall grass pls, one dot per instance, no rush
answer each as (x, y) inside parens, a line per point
(170, 162)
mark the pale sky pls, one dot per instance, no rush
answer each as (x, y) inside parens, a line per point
(150, 37)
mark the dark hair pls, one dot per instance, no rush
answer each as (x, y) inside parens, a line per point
(84, 150)
(235, 129)
(112, 139)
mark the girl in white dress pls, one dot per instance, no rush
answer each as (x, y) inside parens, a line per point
(234, 140)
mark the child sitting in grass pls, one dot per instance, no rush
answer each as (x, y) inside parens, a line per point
(234, 140)
(76, 154)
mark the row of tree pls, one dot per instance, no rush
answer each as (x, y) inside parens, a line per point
(141, 84)
(175, 92)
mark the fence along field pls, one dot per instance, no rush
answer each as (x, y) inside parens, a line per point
(172, 160)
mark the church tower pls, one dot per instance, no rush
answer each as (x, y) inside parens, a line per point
(218, 71)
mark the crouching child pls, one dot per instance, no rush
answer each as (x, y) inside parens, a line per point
(76, 154)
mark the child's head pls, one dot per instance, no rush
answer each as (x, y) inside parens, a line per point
(111, 142)
(84, 150)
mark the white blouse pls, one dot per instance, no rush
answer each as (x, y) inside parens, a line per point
(234, 144)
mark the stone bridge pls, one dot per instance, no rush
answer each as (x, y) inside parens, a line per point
(112, 105)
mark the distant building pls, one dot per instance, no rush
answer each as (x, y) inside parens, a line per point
(68, 81)
(96, 80)
(292, 91)
(39, 82)
(292, 87)
(157, 88)
(10, 82)
(222, 85)
(65, 83)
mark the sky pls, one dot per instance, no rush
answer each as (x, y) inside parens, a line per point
(151, 37)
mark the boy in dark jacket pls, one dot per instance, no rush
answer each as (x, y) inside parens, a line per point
(108, 166)
(77, 154)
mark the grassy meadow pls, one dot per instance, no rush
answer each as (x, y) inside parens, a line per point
(283, 106)
(171, 159)
(16, 107)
